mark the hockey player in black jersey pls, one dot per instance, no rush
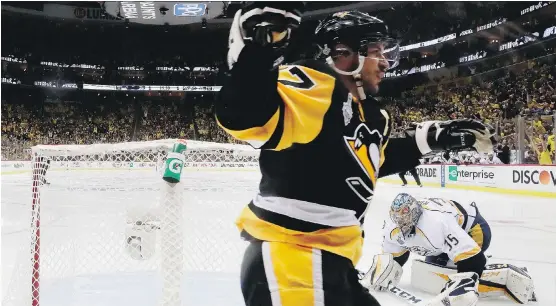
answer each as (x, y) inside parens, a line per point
(324, 143)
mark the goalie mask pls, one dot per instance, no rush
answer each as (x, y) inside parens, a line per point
(405, 212)
(360, 32)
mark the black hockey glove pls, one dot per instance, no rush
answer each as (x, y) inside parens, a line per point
(266, 24)
(459, 134)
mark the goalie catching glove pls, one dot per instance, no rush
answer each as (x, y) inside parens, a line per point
(452, 135)
(384, 273)
(461, 290)
(264, 25)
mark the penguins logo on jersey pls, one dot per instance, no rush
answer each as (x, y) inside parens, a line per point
(364, 147)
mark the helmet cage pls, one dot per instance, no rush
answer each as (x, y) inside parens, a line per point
(405, 212)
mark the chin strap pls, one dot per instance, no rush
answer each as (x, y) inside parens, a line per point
(355, 73)
(330, 62)
(359, 84)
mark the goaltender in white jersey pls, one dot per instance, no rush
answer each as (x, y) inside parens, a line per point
(446, 232)
(453, 238)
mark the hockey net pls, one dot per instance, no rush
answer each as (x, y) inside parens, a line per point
(105, 229)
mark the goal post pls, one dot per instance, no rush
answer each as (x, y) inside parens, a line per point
(106, 229)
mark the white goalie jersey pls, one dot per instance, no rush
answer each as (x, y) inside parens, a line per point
(442, 228)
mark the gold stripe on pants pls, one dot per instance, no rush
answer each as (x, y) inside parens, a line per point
(294, 274)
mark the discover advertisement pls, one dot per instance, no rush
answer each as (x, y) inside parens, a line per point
(532, 177)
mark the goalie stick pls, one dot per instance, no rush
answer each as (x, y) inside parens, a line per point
(400, 293)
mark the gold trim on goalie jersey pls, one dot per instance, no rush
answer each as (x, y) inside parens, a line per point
(393, 233)
(467, 254)
(477, 234)
(396, 231)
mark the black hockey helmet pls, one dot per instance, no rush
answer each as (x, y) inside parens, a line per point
(358, 31)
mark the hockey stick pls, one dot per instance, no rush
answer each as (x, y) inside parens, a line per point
(405, 295)
(400, 293)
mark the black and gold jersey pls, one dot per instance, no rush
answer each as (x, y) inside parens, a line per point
(322, 152)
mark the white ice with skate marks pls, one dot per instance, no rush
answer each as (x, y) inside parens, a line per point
(523, 229)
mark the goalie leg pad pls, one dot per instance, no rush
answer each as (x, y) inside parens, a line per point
(429, 277)
(384, 273)
(509, 280)
(497, 280)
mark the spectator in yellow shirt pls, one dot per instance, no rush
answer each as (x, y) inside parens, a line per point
(544, 154)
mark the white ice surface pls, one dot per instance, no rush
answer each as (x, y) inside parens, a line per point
(523, 228)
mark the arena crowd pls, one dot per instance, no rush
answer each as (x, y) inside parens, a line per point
(519, 83)
(530, 94)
